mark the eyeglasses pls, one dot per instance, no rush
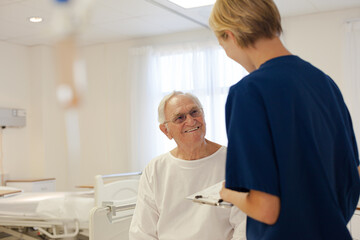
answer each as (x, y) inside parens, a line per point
(181, 117)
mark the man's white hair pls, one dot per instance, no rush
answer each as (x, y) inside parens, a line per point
(161, 108)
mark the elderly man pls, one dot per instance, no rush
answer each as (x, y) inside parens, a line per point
(162, 212)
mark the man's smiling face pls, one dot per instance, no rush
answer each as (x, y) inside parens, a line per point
(185, 120)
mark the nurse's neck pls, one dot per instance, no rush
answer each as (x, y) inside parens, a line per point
(265, 49)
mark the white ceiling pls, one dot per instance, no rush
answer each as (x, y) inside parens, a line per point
(116, 20)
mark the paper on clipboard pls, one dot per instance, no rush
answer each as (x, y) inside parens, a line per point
(210, 196)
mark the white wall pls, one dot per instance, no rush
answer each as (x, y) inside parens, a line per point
(28, 80)
(48, 156)
(319, 39)
(14, 93)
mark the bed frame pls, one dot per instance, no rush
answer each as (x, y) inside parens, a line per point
(111, 219)
(108, 222)
(115, 197)
(27, 228)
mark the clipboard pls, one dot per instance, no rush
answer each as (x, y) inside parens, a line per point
(210, 196)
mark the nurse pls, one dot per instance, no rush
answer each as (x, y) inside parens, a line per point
(292, 156)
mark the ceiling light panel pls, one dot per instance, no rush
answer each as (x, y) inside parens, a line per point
(198, 15)
(192, 3)
(35, 19)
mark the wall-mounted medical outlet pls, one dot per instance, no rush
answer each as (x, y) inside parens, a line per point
(11, 117)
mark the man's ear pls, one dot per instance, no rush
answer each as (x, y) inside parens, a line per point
(165, 130)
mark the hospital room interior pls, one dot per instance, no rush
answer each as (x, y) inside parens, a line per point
(58, 132)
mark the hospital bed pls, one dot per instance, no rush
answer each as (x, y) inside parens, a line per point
(70, 215)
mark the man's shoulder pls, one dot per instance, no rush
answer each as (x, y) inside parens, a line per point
(157, 161)
(161, 157)
(222, 150)
(155, 168)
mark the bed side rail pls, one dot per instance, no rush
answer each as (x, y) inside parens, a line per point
(114, 208)
(102, 190)
(119, 175)
(110, 221)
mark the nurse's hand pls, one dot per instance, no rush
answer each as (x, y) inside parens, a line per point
(224, 193)
(260, 206)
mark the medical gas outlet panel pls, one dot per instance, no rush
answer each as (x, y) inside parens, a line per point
(12, 117)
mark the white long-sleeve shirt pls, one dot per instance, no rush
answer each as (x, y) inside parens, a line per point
(163, 213)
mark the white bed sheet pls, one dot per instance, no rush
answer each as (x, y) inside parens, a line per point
(50, 205)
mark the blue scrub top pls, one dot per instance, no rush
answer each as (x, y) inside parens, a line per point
(290, 135)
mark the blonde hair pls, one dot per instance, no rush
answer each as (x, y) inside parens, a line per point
(248, 20)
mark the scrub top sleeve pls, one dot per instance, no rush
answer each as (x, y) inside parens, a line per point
(144, 222)
(251, 162)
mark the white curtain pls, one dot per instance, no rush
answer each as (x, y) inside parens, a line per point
(200, 68)
(351, 88)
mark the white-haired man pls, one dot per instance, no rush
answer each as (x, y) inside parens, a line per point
(162, 212)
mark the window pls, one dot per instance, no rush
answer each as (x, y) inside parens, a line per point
(351, 85)
(203, 70)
